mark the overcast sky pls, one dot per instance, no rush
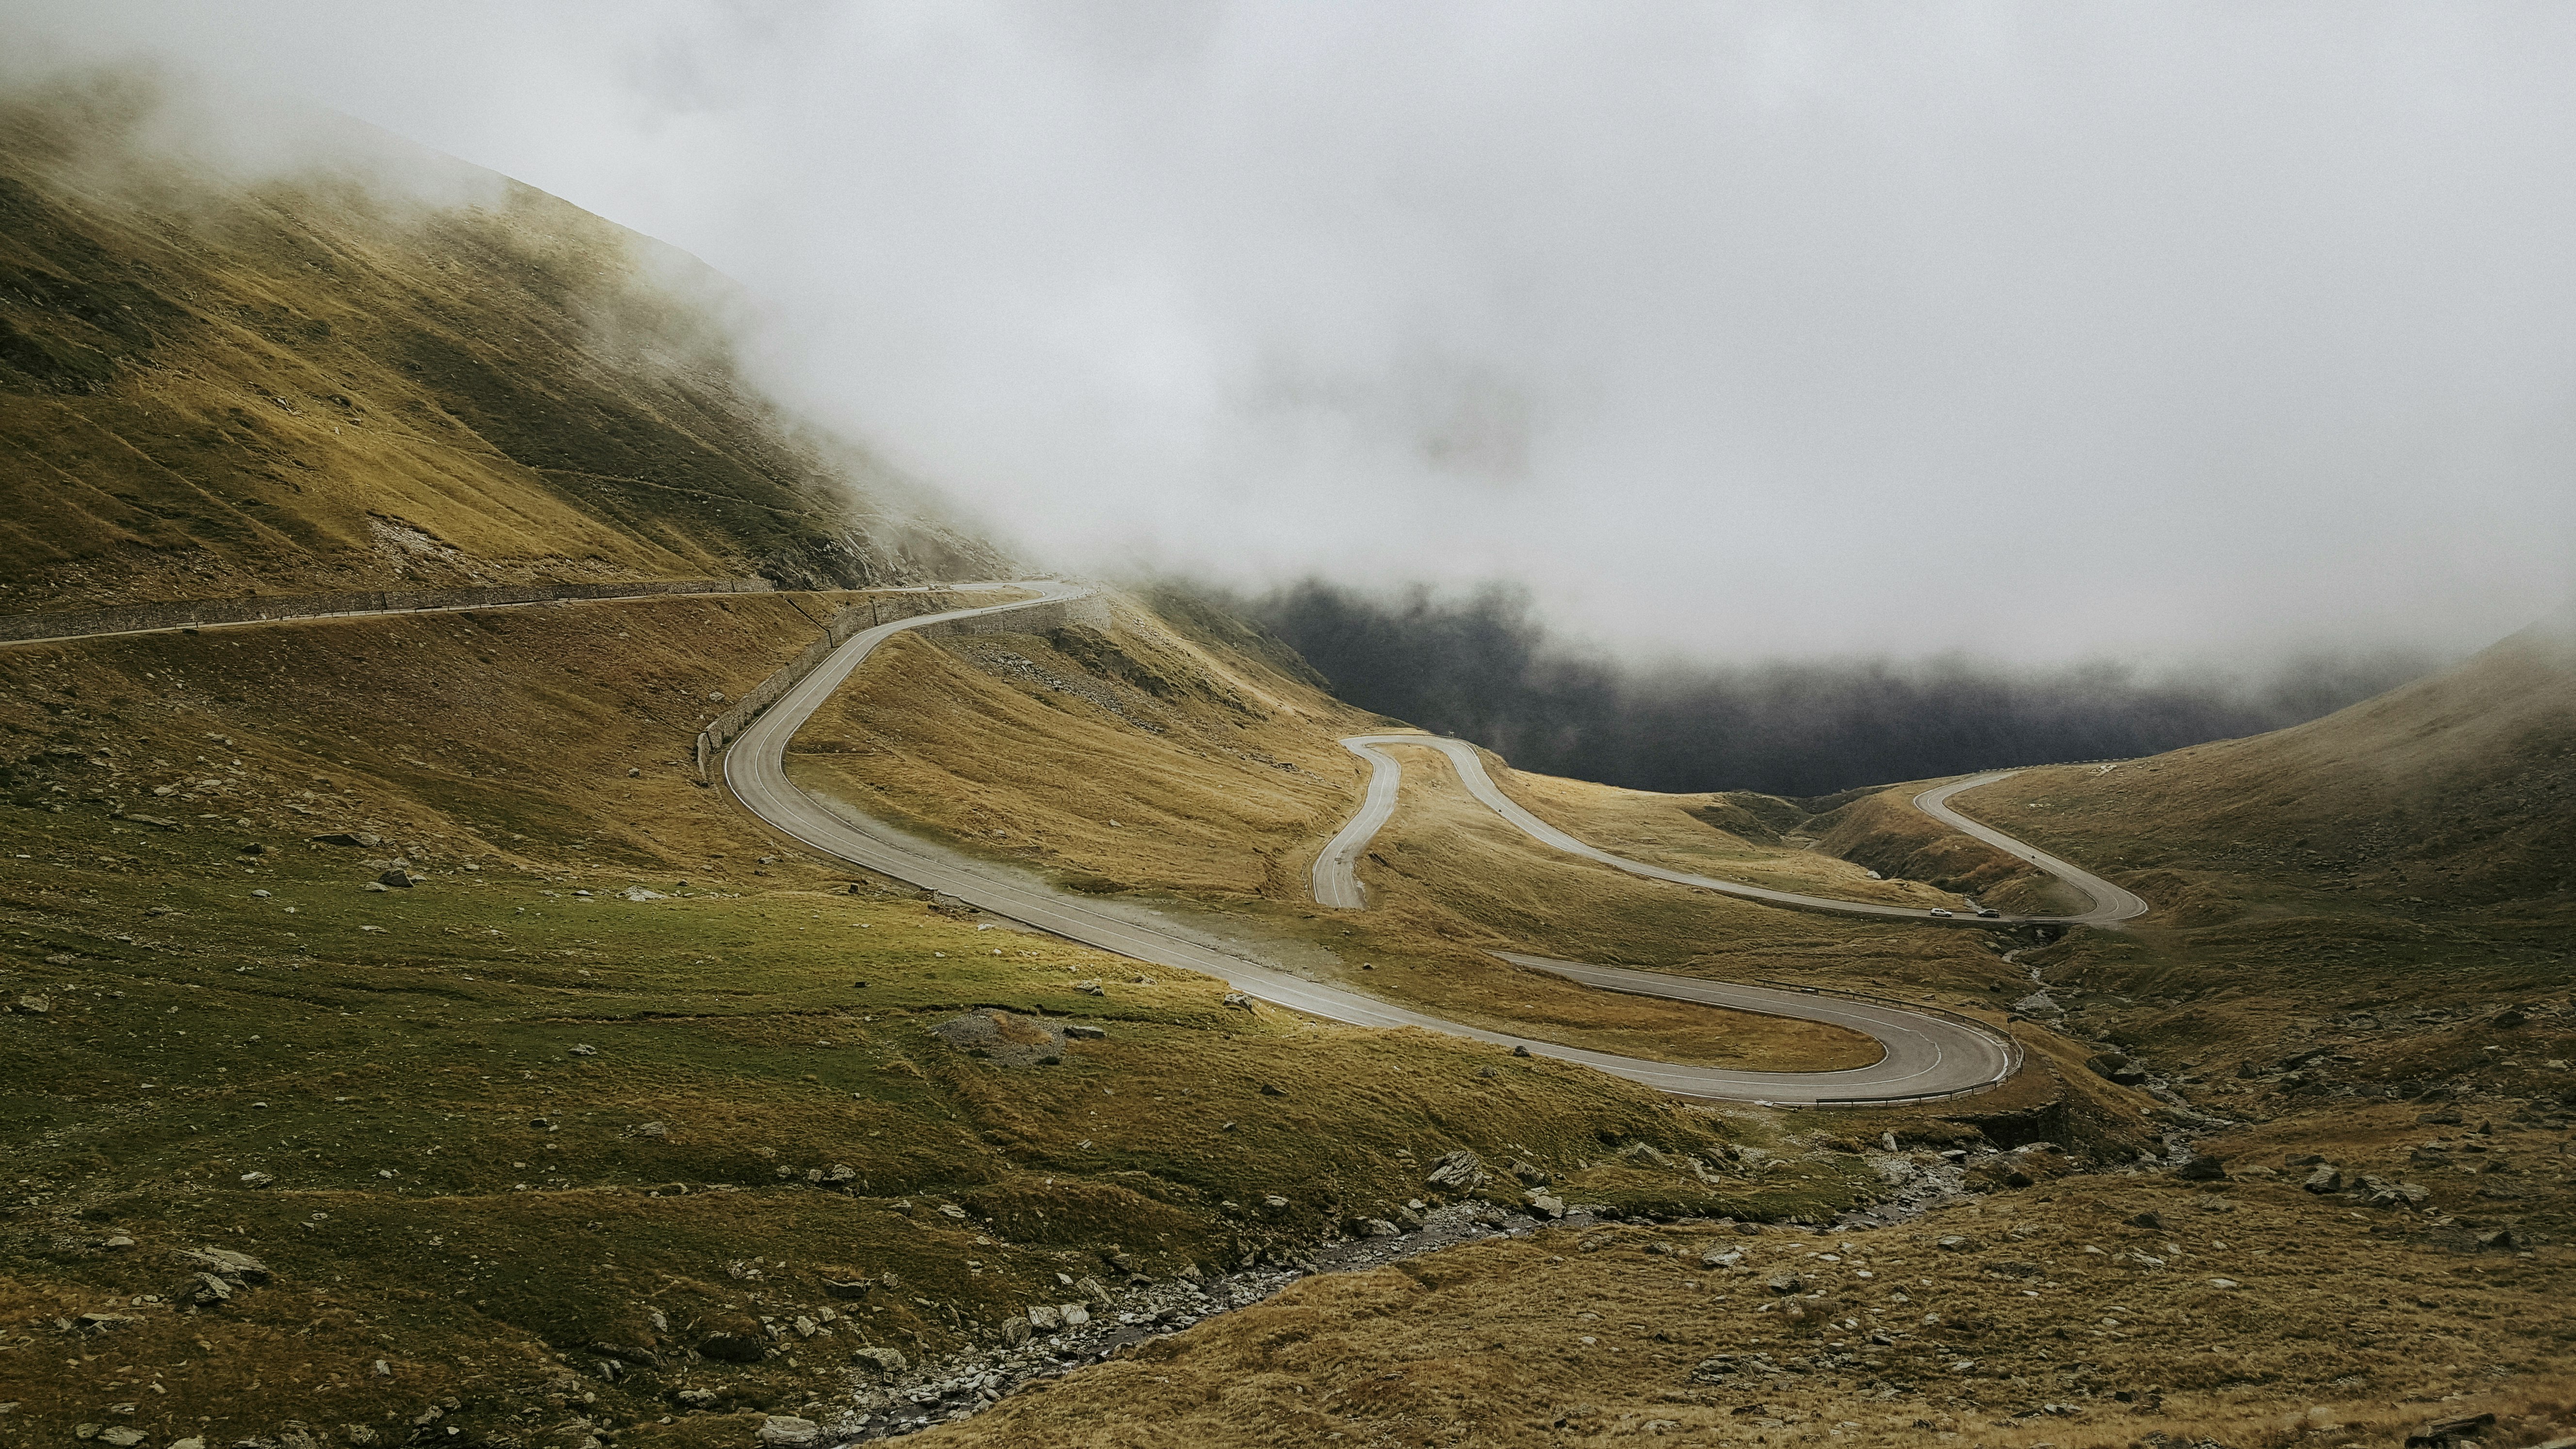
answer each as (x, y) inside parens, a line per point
(2044, 331)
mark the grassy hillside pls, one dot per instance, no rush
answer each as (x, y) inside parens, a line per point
(1200, 777)
(2452, 799)
(2286, 1020)
(213, 388)
(565, 1106)
(551, 1155)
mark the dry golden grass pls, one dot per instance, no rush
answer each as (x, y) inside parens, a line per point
(2448, 799)
(428, 1033)
(1662, 830)
(1591, 1337)
(1025, 749)
(225, 389)
(2345, 1320)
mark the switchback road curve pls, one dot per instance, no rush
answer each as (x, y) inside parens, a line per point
(1336, 873)
(1926, 1055)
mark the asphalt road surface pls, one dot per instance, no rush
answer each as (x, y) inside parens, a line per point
(1336, 875)
(1924, 1055)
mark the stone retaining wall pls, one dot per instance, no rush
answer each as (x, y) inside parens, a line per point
(200, 613)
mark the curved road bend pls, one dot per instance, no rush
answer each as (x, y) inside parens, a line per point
(1336, 874)
(1925, 1055)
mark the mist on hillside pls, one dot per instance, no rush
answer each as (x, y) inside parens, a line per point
(1484, 667)
(2046, 333)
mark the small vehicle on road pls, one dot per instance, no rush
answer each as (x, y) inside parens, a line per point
(1988, 913)
(1942, 912)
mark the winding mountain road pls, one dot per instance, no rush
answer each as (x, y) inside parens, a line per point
(1336, 873)
(1925, 1054)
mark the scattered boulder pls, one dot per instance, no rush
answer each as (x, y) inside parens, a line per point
(697, 1398)
(1046, 1318)
(892, 1361)
(786, 1431)
(1015, 1330)
(32, 1005)
(732, 1347)
(395, 880)
(2497, 1240)
(2202, 1167)
(1003, 1038)
(2327, 1178)
(2038, 1003)
(357, 839)
(2442, 1433)
(2117, 1068)
(1460, 1171)
(207, 1289)
(1956, 1243)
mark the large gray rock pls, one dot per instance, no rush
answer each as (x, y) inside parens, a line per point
(892, 1361)
(2325, 1179)
(1458, 1172)
(786, 1431)
(224, 1262)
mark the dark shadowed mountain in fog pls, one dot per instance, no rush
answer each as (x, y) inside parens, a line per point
(1482, 667)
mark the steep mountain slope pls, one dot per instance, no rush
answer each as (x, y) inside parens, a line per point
(2448, 797)
(213, 388)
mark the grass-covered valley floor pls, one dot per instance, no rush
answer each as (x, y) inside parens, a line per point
(561, 1160)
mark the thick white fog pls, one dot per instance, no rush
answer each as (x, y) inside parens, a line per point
(2175, 332)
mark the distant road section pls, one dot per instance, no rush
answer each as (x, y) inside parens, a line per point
(2110, 902)
(1336, 871)
(1924, 1054)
